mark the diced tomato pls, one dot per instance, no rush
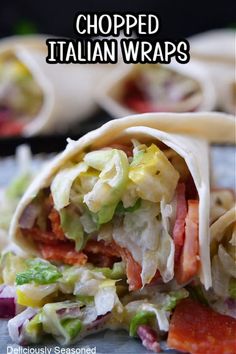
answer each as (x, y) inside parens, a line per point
(179, 227)
(63, 252)
(188, 263)
(197, 329)
(11, 128)
(127, 149)
(54, 217)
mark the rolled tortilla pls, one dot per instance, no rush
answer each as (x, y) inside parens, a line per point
(216, 51)
(141, 127)
(67, 89)
(192, 89)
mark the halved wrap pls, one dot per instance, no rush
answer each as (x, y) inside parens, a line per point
(216, 51)
(38, 97)
(124, 191)
(143, 88)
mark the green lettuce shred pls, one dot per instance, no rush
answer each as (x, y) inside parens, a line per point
(116, 272)
(34, 328)
(38, 272)
(72, 326)
(142, 317)
(72, 227)
(120, 209)
(174, 297)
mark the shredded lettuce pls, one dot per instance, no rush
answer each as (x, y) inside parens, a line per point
(85, 280)
(116, 272)
(130, 196)
(88, 282)
(72, 327)
(72, 227)
(62, 183)
(85, 299)
(11, 264)
(107, 191)
(140, 318)
(34, 329)
(174, 297)
(89, 221)
(160, 315)
(121, 210)
(105, 299)
(146, 238)
(166, 248)
(65, 320)
(99, 159)
(38, 272)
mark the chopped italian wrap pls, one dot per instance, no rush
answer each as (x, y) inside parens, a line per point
(206, 48)
(21, 97)
(145, 88)
(37, 97)
(135, 195)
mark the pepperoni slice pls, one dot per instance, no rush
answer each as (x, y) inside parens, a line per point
(197, 329)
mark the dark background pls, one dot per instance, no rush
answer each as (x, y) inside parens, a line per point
(178, 18)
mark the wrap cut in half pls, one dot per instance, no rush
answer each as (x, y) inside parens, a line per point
(216, 51)
(143, 88)
(37, 97)
(124, 191)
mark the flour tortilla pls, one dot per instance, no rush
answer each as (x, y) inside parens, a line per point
(68, 89)
(110, 91)
(217, 52)
(194, 151)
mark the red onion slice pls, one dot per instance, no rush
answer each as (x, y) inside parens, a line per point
(7, 301)
(149, 338)
(17, 324)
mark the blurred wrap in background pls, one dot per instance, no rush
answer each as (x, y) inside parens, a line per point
(60, 100)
